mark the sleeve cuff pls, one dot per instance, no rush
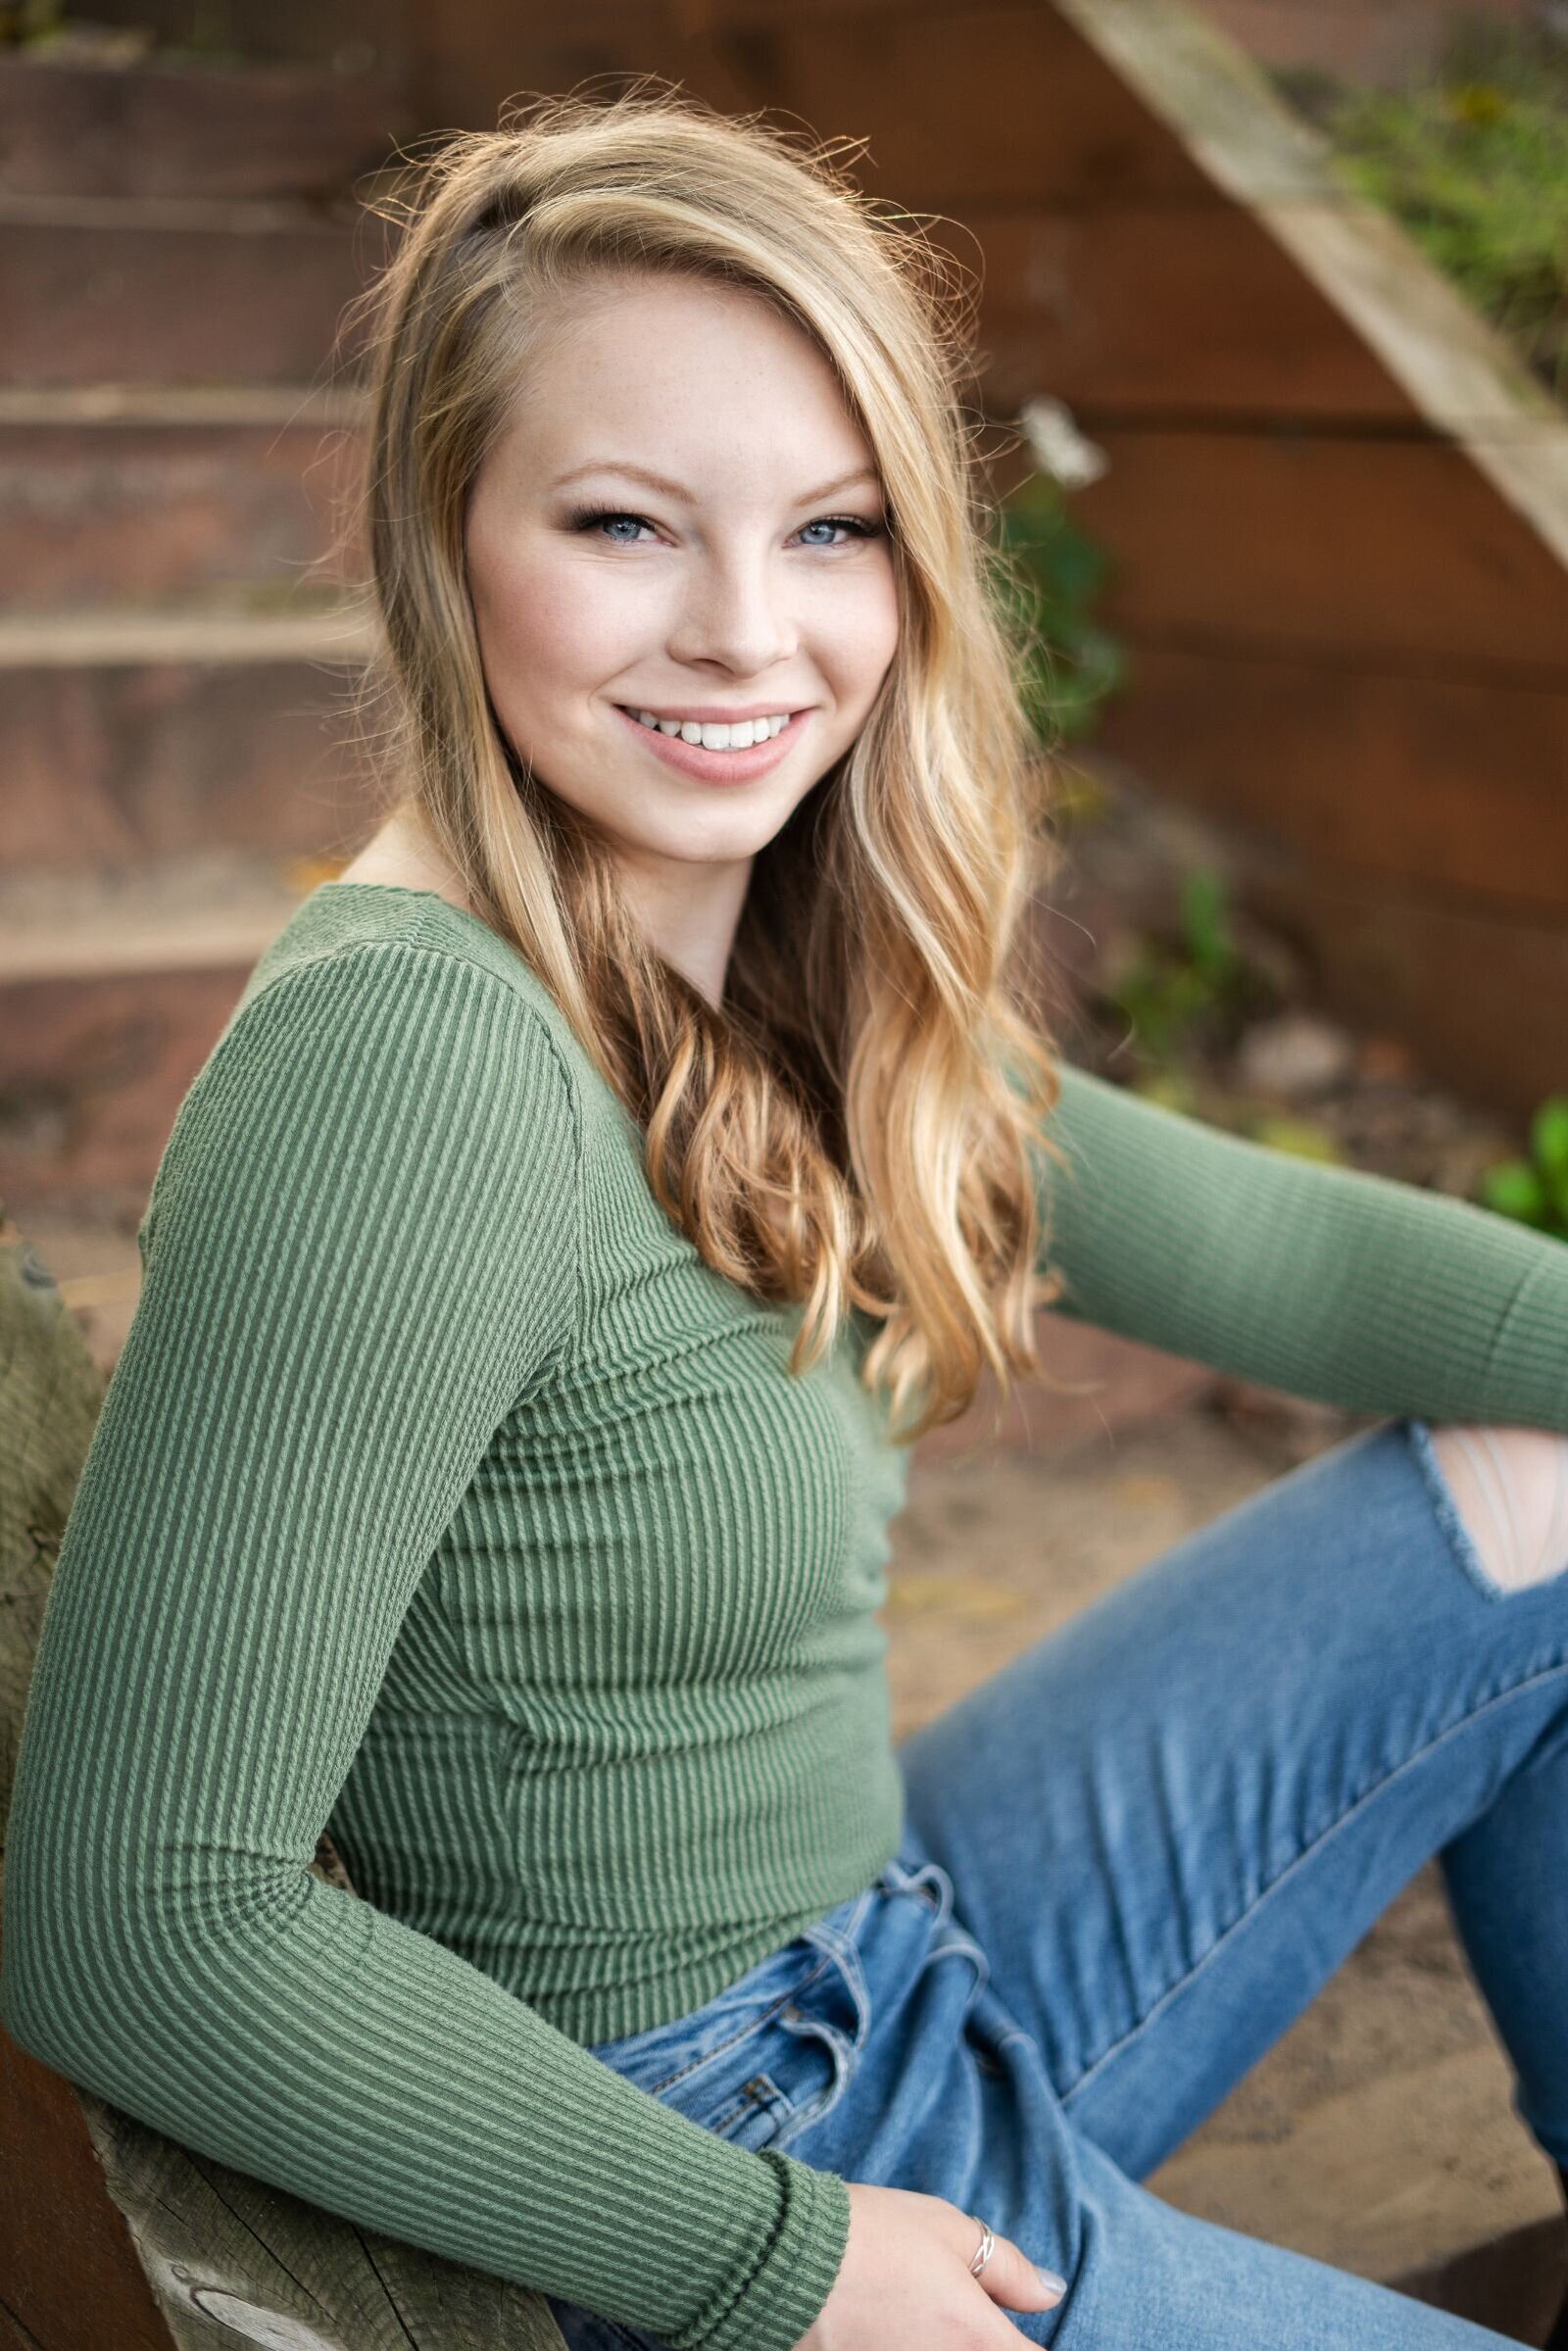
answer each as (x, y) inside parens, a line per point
(773, 2307)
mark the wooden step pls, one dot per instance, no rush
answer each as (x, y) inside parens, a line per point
(157, 129)
(113, 987)
(126, 737)
(165, 289)
(166, 494)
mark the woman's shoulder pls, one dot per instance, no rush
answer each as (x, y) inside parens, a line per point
(382, 1028)
(401, 967)
(347, 919)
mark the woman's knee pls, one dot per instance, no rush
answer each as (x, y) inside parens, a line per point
(1510, 1487)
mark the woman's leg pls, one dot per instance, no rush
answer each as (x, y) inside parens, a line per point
(1507, 1876)
(1510, 1489)
(1170, 1821)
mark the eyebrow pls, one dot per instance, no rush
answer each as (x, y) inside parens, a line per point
(675, 489)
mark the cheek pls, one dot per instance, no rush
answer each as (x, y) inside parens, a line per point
(863, 638)
(541, 626)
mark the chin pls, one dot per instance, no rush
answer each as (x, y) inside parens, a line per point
(710, 845)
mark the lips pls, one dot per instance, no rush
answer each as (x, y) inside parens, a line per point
(716, 766)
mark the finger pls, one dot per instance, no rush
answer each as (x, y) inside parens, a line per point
(1010, 2278)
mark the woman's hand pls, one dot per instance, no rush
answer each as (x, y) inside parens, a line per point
(904, 2283)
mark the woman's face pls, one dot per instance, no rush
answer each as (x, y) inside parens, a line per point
(753, 579)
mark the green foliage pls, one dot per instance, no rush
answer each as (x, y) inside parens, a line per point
(1047, 585)
(1176, 1089)
(1302, 1137)
(1535, 1190)
(42, 26)
(1171, 989)
(24, 22)
(1474, 163)
(1194, 994)
(1207, 929)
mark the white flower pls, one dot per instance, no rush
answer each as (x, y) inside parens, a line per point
(1059, 449)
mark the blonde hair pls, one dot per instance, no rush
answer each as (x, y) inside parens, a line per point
(854, 1129)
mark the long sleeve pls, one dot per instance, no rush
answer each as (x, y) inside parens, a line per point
(1326, 1281)
(362, 1250)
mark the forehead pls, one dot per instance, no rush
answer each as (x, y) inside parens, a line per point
(708, 383)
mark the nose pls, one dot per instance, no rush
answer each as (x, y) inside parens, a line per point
(734, 614)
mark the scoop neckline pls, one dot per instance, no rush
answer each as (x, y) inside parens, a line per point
(400, 890)
(406, 890)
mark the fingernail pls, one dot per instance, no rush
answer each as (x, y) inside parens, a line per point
(1051, 2281)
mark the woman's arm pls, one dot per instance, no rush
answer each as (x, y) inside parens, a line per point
(361, 1248)
(1324, 1280)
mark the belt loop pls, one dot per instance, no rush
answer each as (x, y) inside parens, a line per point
(845, 1953)
(933, 1873)
(901, 1877)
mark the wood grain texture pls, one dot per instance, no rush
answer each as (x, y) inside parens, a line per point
(71, 2278)
(230, 2256)
(94, 129)
(1161, 312)
(1475, 993)
(1380, 554)
(1420, 781)
(970, 105)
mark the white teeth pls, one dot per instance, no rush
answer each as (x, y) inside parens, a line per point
(739, 737)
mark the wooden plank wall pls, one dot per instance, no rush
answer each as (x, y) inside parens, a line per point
(1372, 40)
(351, 35)
(1343, 640)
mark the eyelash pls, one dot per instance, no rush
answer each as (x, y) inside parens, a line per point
(584, 518)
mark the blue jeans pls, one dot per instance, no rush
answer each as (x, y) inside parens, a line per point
(1131, 1857)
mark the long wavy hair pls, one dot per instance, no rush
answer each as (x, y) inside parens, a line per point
(855, 1129)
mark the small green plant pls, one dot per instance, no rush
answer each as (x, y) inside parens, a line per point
(25, 21)
(1052, 574)
(1534, 1191)
(1473, 160)
(1176, 1089)
(1302, 1138)
(1171, 990)
(1194, 994)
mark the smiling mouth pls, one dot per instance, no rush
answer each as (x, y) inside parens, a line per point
(708, 735)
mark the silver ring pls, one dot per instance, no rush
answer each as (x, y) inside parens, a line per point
(988, 2246)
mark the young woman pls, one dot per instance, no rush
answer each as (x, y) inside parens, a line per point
(592, 1190)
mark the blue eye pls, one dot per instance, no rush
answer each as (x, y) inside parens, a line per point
(848, 523)
(587, 517)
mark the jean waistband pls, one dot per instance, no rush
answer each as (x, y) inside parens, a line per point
(846, 1940)
(830, 1993)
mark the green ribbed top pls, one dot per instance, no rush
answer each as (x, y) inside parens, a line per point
(443, 1497)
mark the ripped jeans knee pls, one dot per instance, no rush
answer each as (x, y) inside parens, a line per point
(1508, 1488)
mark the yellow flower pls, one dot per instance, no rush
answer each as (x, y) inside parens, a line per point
(1477, 102)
